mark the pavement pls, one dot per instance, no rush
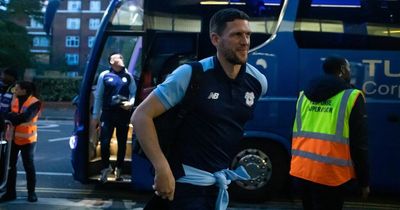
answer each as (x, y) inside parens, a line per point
(58, 111)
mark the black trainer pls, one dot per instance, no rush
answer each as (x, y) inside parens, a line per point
(8, 197)
(32, 197)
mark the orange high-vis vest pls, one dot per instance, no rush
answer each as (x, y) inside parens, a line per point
(25, 133)
(320, 143)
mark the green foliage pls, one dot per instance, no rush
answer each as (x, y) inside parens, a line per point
(14, 45)
(14, 40)
(24, 8)
(57, 89)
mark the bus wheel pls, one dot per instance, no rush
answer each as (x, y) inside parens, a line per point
(267, 163)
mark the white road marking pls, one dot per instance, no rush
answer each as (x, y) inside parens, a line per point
(86, 203)
(48, 173)
(41, 126)
(59, 139)
(47, 130)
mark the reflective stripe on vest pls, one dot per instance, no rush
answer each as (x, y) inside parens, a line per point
(25, 133)
(320, 144)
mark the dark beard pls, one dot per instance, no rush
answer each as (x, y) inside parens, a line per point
(233, 59)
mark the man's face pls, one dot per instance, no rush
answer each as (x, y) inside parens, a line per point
(18, 91)
(117, 62)
(234, 42)
(345, 69)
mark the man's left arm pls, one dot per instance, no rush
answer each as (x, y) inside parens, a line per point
(26, 116)
(359, 141)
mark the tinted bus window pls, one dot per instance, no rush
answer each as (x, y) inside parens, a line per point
(349, 25)
(129, 15)
(193, 16)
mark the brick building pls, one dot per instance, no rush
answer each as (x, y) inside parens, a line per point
(72, 35)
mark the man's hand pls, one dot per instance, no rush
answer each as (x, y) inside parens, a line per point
(365, 192)
(127, 105)
(164, 182)
(94, 123)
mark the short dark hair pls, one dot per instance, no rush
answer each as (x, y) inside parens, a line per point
(219, 19)
(332, 64)
(113, 53)
(11, 71)
(28, 86)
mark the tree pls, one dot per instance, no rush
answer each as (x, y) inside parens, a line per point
(14, 40)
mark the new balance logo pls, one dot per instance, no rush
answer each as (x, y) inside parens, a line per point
(213, 96)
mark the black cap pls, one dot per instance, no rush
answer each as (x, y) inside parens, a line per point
(11, 71)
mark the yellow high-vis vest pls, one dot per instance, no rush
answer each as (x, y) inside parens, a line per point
(25, 133)
(320, 143)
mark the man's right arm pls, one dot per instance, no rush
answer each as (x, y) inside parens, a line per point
(98, 97)
(142, 119)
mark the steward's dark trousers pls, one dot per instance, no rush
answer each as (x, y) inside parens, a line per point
(27, 154)
(320, 197)
(118, 119)
(187, 197)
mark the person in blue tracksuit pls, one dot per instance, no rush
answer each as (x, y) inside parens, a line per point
(196, 173)
(8, 79)
(113, 102)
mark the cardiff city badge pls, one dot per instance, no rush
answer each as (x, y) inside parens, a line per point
(249, 96)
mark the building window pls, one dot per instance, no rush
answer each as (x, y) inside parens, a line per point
(74, 5)
(72, 41)
(35, 24)
(73, 23)
(91, 41)
(42, 58)
(94, 23)
(95, 5)
(40, 41)
(72, 58)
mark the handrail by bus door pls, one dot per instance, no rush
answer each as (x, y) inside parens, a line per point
(6, 137)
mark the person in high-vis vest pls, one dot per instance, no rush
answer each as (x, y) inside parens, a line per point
(25, 109)
(330, 144)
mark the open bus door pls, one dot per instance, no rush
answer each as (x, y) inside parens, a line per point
(5, 150)
(119, 31)
(51, 10)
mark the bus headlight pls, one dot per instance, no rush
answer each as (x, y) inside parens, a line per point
(73, 140)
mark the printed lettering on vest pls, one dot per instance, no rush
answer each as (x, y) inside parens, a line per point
(324, 106)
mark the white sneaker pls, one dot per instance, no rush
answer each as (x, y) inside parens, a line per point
(104, 174)
(117, 173)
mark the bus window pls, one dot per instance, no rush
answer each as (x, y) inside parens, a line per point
(124, 45)
(129, 14)
(372, 25)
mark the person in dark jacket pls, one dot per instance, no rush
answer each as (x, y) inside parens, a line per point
(25, 109)
(330, 143)
(211, 132)
(8, 79)
(114, 99)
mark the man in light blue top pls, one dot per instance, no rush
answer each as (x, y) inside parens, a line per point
(114, 96)
(196, 174)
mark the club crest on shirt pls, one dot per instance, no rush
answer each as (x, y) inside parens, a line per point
(110, 79)
(124, 79)
(249, 96)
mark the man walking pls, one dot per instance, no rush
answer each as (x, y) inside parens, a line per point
(197, 172)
